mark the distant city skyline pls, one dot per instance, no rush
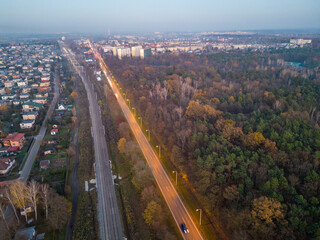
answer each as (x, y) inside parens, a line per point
(97, 16)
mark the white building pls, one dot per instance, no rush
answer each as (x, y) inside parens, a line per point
(26, 124)
(300, 41)
(123, 52)
(136, 50)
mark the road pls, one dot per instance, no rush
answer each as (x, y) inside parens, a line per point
(24, 175)
(108, 211)
(172, 198)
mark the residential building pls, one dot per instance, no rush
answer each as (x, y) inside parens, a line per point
(27, 124)
(32, 115)
(14, 140)
(6, 165)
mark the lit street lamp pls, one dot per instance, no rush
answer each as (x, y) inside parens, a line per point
(176, 176)
(128, 102)
(140, 120)
(149, 133)
(134, 110)
(200, 213)
(158, 146)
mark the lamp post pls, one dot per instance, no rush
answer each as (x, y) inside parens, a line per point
(140, 120)
(158, 146)
(176, 176)
(128, 102)
(134, 110)
(148, 133)
(199, 209)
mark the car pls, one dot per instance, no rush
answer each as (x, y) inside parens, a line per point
(183, 227)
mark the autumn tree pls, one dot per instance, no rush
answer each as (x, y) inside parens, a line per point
(151, 212)
(267, 210)
(58, 210)
(74, 94)
(9, 198)
(32, 192)
(18, 192)
(44, 192)
(253, 139)
(122, 145)
(2, 207)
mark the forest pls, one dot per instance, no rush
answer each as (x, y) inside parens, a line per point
(244, 128)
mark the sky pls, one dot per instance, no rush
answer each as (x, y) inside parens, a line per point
(97, 16)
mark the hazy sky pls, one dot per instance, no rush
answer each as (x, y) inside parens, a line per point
(149, 16)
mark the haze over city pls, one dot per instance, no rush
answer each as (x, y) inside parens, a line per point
(36, 16)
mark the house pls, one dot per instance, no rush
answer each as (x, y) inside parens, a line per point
(14, 140)
(6, 165)
(26, 234)
(32, 115)
(24, 96)
(26, 89)
(45, 84)
(40, 100)
(3, 151)
(26, 124)
(48, 151)
(52, 141)
(54, 131)
(13, 150)
(28, 106)
(55, 126)
(61, 107)
(44, 164)
(8, 84)
(22, 84)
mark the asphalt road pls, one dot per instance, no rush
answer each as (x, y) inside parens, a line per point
(24, 174)
(172, 198)
(108, 211)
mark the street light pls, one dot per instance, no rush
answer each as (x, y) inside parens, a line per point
(199, 209)
(149, 133)
(158, 146)
(140, 120)
(176, 176)
(128, 102)
(134, 110)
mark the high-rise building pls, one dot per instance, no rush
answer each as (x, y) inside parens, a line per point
(123, 52)
(136, 51)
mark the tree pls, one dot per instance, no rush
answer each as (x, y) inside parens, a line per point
(9, 198)
(122, 145)
(231, 192)
(267, 210)
(2, 214)
(44, 189)
(152, 210)
(32, 192)
(254, 139)
(74, 94)
(18, 195)
(59, 209)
